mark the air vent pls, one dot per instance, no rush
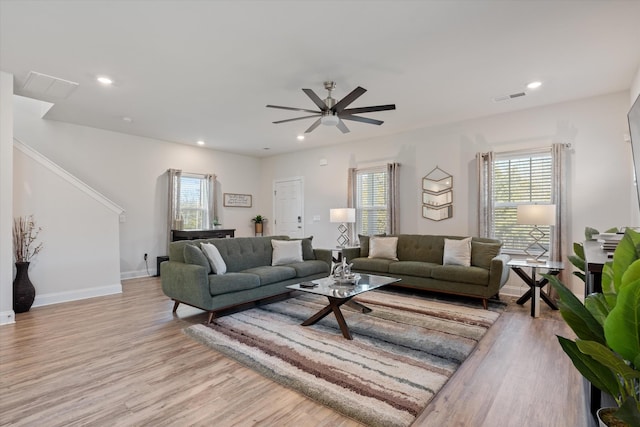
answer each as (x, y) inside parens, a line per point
(48, 86)
(506, 97)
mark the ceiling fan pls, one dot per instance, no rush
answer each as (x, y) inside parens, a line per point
(333, 113)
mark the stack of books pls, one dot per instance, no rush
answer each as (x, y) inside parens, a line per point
(609, 241)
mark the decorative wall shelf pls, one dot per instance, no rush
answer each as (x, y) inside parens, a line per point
(437, 195)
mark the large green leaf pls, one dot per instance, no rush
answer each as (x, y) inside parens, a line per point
(609, 359)
(626, 253)
(590, 232)
(597, 305)
(629, 412)
(622, 326)
(581, 275)
(579, 319)
(578, 249)
(595, 372)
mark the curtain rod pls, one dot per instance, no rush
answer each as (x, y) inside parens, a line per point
(532, 150)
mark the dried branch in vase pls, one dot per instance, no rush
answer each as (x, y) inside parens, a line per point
(25, 235)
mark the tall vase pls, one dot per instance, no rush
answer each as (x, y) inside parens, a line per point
(23, 291)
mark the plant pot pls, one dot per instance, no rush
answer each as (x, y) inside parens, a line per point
(23, 290)
(259, 228)
(607, 419)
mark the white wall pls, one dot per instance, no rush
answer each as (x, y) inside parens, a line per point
(599, 170)
(6, 195)
(131, 171)
(80, 257)
(635, 87)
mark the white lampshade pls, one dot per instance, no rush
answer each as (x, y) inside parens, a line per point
(536, 214)
(344, 215)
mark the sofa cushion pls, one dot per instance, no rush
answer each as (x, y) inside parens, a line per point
(232, 282)
(309, 268)
(272, 274)
(384, 247)
(377, 265)
(242, 253)
(218, 265)
(194, 255)
(460, 274)
(457, 252)
(482, 253)
(412, 268)
(286, 252)
(364, 243)
(417, 247)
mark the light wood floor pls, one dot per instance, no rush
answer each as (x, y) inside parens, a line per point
(121, 360)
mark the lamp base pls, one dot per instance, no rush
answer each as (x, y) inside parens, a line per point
(343, 240)
(536, 250)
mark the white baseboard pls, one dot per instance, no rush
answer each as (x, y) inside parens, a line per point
(7, 317)
(136, 274)
(58, 297)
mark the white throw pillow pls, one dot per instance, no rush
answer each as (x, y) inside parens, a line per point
(383, 247)
(286, 251)
(215, 259)
(457, 252)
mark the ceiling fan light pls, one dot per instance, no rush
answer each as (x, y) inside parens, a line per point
(330, 120)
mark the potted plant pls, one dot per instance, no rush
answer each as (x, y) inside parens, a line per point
(25, 235)
(258, 221)
(607, 348)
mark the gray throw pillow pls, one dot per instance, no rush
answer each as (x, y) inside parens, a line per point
(482, 253)
(307, 248)
(194, 255)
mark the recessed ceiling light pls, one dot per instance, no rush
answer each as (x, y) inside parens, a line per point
(200, 142)
(300, 137)
(104, 80)
(534, 85)
(127, 119)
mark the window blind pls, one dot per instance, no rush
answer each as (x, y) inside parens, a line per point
(522, 178)
(372, 200)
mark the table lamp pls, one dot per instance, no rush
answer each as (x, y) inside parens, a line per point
(536, 215)
(343, 216)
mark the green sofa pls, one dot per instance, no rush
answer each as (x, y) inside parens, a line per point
(420, 265)
(187, 278)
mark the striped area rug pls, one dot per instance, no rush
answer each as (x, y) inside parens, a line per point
(401, 355)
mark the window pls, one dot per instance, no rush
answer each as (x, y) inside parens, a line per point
(371, 200)
(522, 178)
(194, 202)
(191, 201)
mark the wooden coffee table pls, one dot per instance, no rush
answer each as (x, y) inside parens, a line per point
(339, 294)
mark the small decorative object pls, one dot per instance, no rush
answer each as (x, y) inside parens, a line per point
(437, 195)
(216, 224)
(342, 273)
(25, 235)
(258, 223)
(343, 216)
(237, 200)
(536, 215)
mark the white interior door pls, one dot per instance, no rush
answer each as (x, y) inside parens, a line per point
(288, 202)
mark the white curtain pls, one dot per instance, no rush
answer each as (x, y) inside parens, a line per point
(393, 213)
(484, 168)
(210, 200)
(558, 250)
(173, 213)
(351, 203)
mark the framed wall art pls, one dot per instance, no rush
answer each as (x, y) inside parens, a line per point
(234, 200)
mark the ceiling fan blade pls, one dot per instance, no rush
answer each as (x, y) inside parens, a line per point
(342, 127)
(363, 120)
(369, 109)
(316, 99)
(313, 126)
(291, 108)
(297, 118)
(355, 94)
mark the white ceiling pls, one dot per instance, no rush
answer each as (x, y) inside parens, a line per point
(189, 70)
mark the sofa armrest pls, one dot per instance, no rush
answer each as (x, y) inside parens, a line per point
(188, 283)
(499, 271)
(351, 253)
(324, 255)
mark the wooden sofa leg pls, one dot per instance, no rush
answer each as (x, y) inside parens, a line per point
(175, 305)
(211, 314)
(484, 304)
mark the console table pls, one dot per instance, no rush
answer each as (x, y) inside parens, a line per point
(595, 259)
(202, 234)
